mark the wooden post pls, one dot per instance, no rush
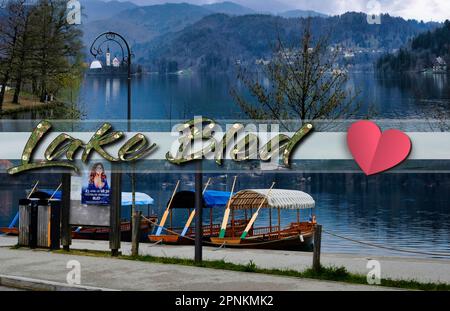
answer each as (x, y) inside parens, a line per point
(198, 215)
(114, 220)
(66, 230)
(317, 246)
(211, 222)
(136, 233)
(279, 222)
(232, 223)
(270, 220)
(134, 242)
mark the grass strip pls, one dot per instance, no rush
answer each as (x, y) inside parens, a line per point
(331, 273)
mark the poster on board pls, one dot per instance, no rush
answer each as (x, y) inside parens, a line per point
(90, 195)
(96, 190)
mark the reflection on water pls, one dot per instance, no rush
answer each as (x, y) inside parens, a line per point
(396, 210)
(177, 98)
(182, 97)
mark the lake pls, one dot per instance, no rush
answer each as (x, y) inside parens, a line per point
(407, 211)
(182, 97)
(398, 210)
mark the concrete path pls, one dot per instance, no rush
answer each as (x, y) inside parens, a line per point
(132, 275)
(8, 289)
(424, 270)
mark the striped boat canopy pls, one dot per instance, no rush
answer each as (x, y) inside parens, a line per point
(278, 198)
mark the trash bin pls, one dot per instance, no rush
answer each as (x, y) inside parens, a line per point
(24, 222)
(28, 222)
(39, 223)
(48, 224)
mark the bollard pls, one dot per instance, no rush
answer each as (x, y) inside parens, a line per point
(116, 192)
(66, 229)
(135, 233)
(317, 246)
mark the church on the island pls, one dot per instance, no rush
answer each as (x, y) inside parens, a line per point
(109, 67)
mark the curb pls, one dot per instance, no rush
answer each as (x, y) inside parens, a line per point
(43, 285)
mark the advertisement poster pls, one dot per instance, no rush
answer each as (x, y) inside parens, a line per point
(96, 189)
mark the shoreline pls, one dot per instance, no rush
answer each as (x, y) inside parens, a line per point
(10, 109)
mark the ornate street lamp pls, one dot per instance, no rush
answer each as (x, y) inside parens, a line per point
(96, 50)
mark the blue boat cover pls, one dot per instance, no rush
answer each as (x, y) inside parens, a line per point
(140, 199)
(215, 198)
(57, 196)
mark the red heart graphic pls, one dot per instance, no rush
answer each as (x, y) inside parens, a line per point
(374, 151)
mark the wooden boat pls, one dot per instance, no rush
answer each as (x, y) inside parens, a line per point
(9, 231)
(186, 200)
(296, 236)
(99, 233)
(102, 233)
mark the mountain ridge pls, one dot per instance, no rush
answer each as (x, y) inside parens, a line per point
(218, 41)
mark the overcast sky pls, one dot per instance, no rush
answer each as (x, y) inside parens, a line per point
(427, 10)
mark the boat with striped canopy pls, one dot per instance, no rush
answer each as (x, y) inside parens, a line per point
(297, 235)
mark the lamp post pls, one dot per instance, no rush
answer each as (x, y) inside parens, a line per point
(96, 50)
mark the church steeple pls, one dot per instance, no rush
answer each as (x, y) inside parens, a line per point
(108, 57)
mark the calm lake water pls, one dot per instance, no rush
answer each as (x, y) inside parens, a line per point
(182, 97)
(409, 211)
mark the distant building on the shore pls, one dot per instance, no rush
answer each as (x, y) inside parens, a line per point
(439, 64)
(108, 67)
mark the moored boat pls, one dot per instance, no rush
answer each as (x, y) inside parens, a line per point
(296, 236)
(186, 235)
(102, 233)
(212, 199)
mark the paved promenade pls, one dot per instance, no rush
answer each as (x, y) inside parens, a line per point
(128, 275)
(132, 275)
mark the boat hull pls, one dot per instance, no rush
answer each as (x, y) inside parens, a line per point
(296, 242)
(10, 231)
(102, 233)
(171, 239)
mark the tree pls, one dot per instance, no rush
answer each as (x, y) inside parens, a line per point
(57, 43)
(302, 84)
(38, 47)
(11, 32)
(21, 63)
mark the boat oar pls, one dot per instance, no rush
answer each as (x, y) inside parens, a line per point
(223, 228)
(166, 212)
(192, 215)
(55, 192)
(255, 215)
(32, 190)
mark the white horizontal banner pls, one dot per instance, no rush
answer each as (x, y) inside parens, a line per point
(316, 146)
